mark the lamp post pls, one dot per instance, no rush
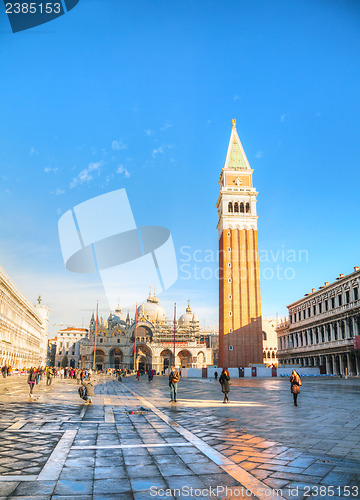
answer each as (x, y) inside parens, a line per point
(135, 337)
(174, 332)
(96, 323)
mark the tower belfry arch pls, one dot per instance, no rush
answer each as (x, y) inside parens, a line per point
(240, 328)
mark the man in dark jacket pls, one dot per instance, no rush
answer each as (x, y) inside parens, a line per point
(174, 378)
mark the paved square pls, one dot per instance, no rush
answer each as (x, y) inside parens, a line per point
(132, 443)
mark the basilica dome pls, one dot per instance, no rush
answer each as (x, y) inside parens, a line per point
(151, 310)
(188, 318)
(118, 317)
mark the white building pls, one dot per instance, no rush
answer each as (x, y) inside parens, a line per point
(23, 327)
(68, 342)
(270, 340)
(322, 328)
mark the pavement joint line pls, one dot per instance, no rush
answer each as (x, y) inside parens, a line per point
(18, 478)
(246, 479)
(17, 425)
(47, 431)
(82, 413)
(52, 469)
(121, 446)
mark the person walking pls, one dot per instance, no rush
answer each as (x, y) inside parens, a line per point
(174, 378)
(78, 377)
(32, 380)
(225, 384)
(90, 390)
(216, 375)
(138, 375)
(49, 375)
(295, 382)
(4, 371)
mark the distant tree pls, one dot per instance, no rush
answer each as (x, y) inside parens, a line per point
(64, 362)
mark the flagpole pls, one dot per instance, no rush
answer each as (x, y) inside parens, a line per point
(135, 338)
(96, 323)
(174, 330)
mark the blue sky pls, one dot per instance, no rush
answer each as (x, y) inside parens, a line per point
(141, 95)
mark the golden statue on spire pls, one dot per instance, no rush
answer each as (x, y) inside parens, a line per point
(234, 122)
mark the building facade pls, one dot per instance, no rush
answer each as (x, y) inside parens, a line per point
(154, 346)
(23, 327)
(68, 343)
(240, 326)
(270, 340)
(322, 328)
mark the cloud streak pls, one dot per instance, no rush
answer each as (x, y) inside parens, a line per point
(87, 174)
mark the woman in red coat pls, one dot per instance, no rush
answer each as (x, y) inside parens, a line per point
(295, 382)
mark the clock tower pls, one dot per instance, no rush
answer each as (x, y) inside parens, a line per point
(240, 328)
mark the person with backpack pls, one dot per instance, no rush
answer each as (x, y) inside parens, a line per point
(174, 378)
(89, 386)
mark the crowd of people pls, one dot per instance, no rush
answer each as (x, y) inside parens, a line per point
(83, 377)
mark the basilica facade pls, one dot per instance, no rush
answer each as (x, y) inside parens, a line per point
(147, 343)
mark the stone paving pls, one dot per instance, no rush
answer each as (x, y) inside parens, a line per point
(132, 439)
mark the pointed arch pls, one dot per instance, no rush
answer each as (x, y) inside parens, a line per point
(230, 207)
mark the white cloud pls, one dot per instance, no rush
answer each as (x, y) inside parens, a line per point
(118, 145)
(57, 192)
(59, 211)
(236, 97)
(33, 151)
(160, 150)
(149, 132)
(87, 174)
(49, 169)
(282, 118)
(122, 170)
(259, 154)
(166, 125)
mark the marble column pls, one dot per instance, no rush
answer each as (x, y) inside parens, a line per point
(328, 368)
(341, 360)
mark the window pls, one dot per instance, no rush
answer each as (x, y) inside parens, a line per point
(229, 264)
(314, 310)
(229, 280)
(326, 305)
(230, 330)
(264, 336)
(309, 312)
(230, 297)
(247, 208)
(228, 234)
(230, 207)
(347, 297)
(320, 307)
(356, 293)
(236, 207)
(242, 209)
(230, 313)
(229, 249)
(332, 303)
(231, 348)
(101, 341)
(340, 300)
(118, 341)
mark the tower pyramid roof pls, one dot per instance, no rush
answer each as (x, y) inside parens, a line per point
(235, 157)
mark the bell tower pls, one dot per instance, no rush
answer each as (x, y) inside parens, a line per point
(240, 327)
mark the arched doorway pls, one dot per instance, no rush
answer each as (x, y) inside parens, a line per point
(116, 357)
(166, 357)
(99, 360)
(143, 358)
(184, 358)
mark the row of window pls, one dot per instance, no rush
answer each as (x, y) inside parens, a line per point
(325, 306)
(239, 207)
(320, 335)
